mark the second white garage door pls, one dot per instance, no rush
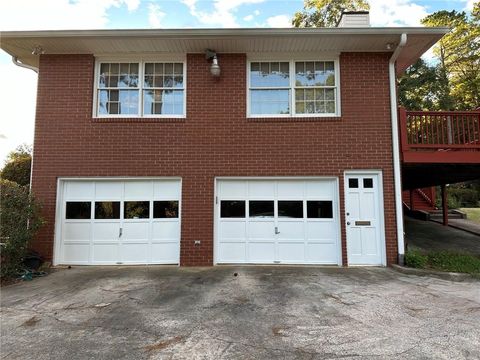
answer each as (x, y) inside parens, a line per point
(135, 221)
(277, 221)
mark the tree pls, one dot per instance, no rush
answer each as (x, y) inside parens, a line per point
(325, 13)
(458, 54)
(18, 165)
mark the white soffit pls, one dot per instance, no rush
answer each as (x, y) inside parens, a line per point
(21, 43)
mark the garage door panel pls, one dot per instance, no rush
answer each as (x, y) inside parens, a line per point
(76, 253)
(321, 253)
(291, 230)
(259, 252)
(320, 189)
(317, 230)
(106, 231)
(261, 189)
(232, 189)
(79, 190)
(108, 190)
(166, 190)
(233, 230)
(233, 252)
(105, 253)
(167, 252)
(132, 252)
(135, 231)
(261, 229)
(165, 230)
(77, 231)
(138, 190)
(290, 190)
(291, 252)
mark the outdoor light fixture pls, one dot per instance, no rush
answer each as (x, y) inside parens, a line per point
(389, 46)
(215, 68)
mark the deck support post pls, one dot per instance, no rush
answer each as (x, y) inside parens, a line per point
(444, 204)
(411, 200)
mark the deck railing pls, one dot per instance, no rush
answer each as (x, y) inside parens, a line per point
(438, 130)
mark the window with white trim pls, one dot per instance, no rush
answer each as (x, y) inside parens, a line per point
(140, 89)
(293, 88)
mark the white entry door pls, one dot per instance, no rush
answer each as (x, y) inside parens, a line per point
(277, 222)
(364, 218)
(111, 222)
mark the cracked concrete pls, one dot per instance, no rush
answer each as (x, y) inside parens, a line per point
(265, 312)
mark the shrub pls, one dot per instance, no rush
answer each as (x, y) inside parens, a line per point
(19, 220)
(415, 259)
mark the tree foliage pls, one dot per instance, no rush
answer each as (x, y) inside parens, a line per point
(452, 81)
(325, 13)
(19, 221)
(18, 165)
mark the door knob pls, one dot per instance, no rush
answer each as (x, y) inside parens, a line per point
(348, 213)
(348, 222)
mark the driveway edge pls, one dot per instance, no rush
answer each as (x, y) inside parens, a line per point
(452, 276)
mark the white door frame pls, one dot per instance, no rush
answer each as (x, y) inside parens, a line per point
(336, 206)
(381, 211)
(57, 232)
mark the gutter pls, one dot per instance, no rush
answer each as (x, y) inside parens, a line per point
(18, 63)
(396, 150)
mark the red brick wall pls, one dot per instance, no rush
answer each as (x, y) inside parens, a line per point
(216, 139)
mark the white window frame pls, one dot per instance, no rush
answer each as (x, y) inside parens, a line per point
(141, 70)
(291, 69)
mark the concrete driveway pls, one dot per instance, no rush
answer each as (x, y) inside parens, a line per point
(263, 313)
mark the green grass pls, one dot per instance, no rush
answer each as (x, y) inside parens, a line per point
(443, 261)
(473, 214)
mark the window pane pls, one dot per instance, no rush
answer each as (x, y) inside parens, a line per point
(260, 208)
(232, 209)
(290, 209)
(78, 210)
(128, 102)
(107, 210)
(368, 183)
(318, 73)
(136, 209)
(270, 101)
(319, 210)
(353, 183)
(165, 209)
(268, 74)
(163, 102)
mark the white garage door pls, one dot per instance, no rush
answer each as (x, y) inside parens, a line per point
(119, 222)
(277, 221)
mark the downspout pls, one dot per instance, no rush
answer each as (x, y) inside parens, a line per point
(396, 150)
(18, 63)
(33, 68)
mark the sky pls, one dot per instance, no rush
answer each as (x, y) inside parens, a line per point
(17, 99)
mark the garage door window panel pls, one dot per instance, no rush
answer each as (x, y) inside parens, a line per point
(165, 209)
(290, 209)
(107, 210)
(232, 209)
(136, 209)
(78, 210)
(261, 208)
(319, 209)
